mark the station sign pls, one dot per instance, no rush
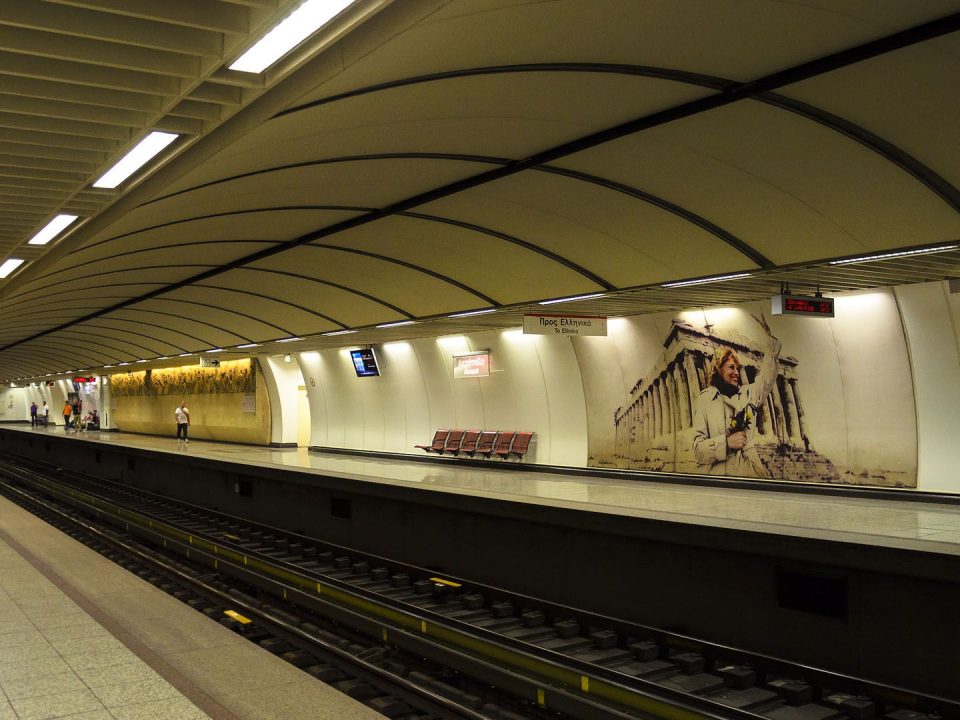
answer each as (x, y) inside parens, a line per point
(802, 305)
(209, 361)
(573, 325)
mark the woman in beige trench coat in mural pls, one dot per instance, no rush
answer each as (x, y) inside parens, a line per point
(725, 422)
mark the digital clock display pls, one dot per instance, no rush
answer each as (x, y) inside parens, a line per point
(802, 305)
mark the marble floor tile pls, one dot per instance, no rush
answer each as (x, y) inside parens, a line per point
(132, 693)
(33, 668)
(105, 658)
(56, 706)
(179, 708)
(42, 685)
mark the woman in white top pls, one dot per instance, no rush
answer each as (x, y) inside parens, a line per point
(183, 421)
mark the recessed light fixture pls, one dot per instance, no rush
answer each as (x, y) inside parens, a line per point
(186, 354)
(213, 350)
(9, 266)
(141, 361)
(571, 299)
(248, 345)
(902, 253)
(107, 366)
(397, 324)
(52, 229)
(290, 339)
(338, 332)
(472, 313)
(140, 155)
(164, 357)
(123, 363)
(704, 281)
(290, 32)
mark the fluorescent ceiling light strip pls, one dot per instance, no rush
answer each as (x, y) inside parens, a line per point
(472, 313)
(248, 345)
(571, 299)
(52, 229)
(290, 32)
(9, 266)
(902, 253)
(213, 350)
(185, 354)
(290, 339)
(339, 332)
(140, 155)
(703, 281)
(397, 324)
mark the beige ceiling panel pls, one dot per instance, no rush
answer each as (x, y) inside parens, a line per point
(117, 327)
(346, 307)
(909, 98)
(291, 318)
(68, 279)
(136, 229)
(508, 272)
(737, 39)
(233, 321)
(506, 115)
(413, 291)
(791, 188)
(373, 183)
(624, 241)
(198, 333)
(182, 259)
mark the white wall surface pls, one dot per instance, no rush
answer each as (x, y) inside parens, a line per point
(931, 321)
(283, 379)
(534, 385)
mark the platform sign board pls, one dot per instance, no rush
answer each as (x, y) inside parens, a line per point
(802, 305)
(572, 325)
(469, 365)
(209, 362)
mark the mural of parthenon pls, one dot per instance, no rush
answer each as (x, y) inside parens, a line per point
(654, 430)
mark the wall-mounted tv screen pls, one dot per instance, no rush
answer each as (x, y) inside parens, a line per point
(475, 364)
(364, 362)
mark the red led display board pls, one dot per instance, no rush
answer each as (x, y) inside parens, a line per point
(802, 305)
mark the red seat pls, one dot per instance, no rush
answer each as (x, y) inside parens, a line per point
(439, 438)
(520, 444)
(504, 441)
(469, 443)
(485, 443)
(452, 445)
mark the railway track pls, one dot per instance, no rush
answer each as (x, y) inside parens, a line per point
(485, 650)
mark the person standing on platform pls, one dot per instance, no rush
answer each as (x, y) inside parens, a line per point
(67, 412)
(46, 413)
(183, 421)
(33, 414)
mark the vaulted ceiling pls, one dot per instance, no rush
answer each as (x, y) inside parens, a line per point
(423, 158)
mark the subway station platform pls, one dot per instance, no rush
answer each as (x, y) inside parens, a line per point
(797, 572)
(903, 519)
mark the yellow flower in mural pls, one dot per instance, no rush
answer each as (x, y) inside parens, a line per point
(741, 421)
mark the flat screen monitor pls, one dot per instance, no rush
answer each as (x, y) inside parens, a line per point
(364, 362)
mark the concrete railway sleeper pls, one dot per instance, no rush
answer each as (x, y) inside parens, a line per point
(553, 657)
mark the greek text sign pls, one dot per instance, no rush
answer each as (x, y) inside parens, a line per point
(578, 325)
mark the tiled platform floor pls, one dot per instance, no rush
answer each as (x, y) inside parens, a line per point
(82, 638)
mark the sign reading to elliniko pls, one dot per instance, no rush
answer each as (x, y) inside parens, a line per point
(564, 325)
(802, 305)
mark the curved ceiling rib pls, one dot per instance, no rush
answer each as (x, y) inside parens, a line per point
(422, 216)
(409, 266)
(886, 149)
(272, 298)
(163, 313)
(123, 338)
(225, 311)
(107, 349)
(328, 283)
(141, 323)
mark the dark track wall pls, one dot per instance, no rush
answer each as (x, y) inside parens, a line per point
(880, 613)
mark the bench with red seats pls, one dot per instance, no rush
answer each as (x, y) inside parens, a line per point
(489, 443)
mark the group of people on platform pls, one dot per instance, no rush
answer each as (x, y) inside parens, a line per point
(40, 416)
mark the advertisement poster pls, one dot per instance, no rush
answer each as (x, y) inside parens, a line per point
(737, 392)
